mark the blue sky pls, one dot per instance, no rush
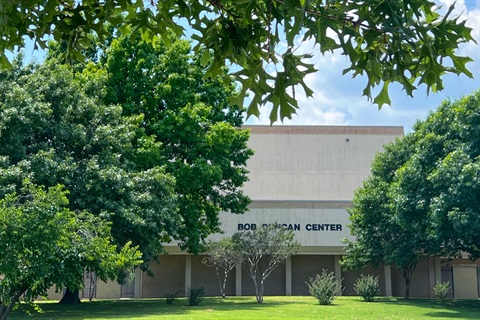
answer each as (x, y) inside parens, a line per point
(338, 98)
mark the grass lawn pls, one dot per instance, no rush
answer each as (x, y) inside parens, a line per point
(247, 308)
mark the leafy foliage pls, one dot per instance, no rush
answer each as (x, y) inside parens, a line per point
(170, 297)
(367, 287)
(324, 287)
(406, 42)
(422, 196)
(195, 296)
(54, 130)
(189, 115)
(44, 243)
(262, 250)
(441, 289)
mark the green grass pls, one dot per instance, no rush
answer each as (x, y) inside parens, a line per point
(246, 308)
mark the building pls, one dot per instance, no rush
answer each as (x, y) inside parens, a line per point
(303, 177)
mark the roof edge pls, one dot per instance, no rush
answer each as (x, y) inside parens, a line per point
(318, 130)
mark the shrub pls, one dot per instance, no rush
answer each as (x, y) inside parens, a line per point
(195, 296)
(367, 287)
(324, 287)
(171, 296)
(441, 289)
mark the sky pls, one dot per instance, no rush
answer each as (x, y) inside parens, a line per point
(338, 99)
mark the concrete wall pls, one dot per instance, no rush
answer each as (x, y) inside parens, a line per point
(274, 284)
(203, 276)
(312, 162)
(108, 290)
(420, 285)
(465, 281)
(305, 267)
(169, 277)
(349, 278)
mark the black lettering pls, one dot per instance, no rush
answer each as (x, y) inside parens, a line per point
(339, 227)
(240, 226)
(308, 227)
(296, 227)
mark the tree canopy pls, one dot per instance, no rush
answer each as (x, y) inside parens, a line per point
(422, 196)
(202, 146)
(406, 42)
(53, 131)
(44, 244)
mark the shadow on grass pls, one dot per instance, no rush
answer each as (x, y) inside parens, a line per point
(448, 308)
(135, 308)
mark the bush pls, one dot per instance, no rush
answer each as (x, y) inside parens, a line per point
(441, 289)
(367, 287)
(195, 296)
(171, 296)
(324, 287)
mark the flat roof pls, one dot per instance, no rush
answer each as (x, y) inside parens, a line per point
(332, 130)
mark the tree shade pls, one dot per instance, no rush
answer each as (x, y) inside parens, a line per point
(423, 194)
(406, 42)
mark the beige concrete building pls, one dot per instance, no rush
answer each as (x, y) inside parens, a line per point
(303, 177)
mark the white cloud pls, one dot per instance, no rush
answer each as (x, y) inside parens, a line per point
(338, 98)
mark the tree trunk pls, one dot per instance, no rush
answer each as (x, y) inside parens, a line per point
(70, 297)
(257, 290)
(407, 273)
(224, 284)
(5, 310)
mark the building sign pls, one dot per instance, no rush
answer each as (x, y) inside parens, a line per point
(315, 227)
(295, 226)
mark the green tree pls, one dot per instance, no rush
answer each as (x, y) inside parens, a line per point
(421, 198)
(380, 236)
(406, 41)
(52, 132)
(44, 243)
(189, 114)
(223, 257)
(262, 250)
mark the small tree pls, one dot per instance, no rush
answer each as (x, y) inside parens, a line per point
(324, 287)
(263, 250)
(43, 243)
(367, 287)
(222, 256)
(441, 289)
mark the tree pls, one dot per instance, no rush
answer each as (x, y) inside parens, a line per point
(421, 198)
(223, 257)
(44, 244)
(406, 42)
(189, 115)
(52, 132)
(263, 250)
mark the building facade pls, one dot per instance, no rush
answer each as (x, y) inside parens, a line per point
(304, 178)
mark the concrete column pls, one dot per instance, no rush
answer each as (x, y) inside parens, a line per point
(238, 279)
(388, 280)
(432, 275)
(438, 269)
(288, 276)
(338, 269)
(188, 273)
(138, 292)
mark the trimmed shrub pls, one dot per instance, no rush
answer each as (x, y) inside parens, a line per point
(367, 287)
(324, 287)
(171, 296)
(441, 289)
(195, 296)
